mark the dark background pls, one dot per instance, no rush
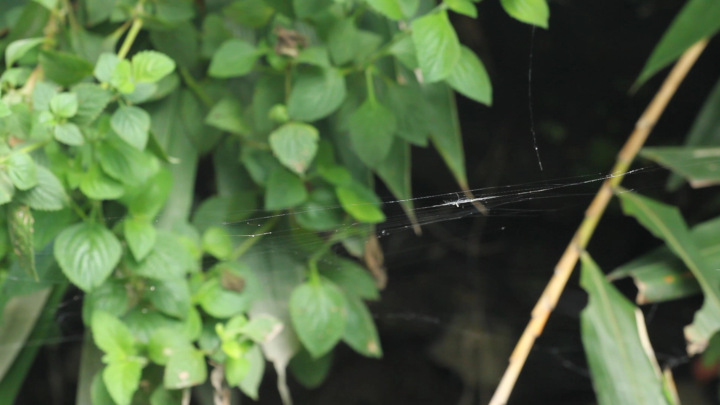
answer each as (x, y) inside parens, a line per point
(459, 296)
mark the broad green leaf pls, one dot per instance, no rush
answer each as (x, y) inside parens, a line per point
(320, 212)
(168, 260)
(311, 372)
(372, 127)
(92, 100)
(122, 379)
(216, 241)
(234, 58)
(47, 195)
(22, 171)
(229, 209)
(284, 190)
(395, 173)
(437, 45)
(250, 383)
(230, 291)
(309, 8)
(42, 94)
(87, 254)
(295, 145)
(164, 343)
(403, 48)
(171, 297)
(69, 134)
(361, 203)
(250, 13)
(465, 7)
(98, 10)
(316, 94)
(140, 236)
(48, 4)
(185, 53)
(125, 163)
(698, 19)
(162, 396)
(445, 130)
(64, 68)
(185, 368)
(121, 78)
(705, 131)
(351, 277)
(389, 8)
(112, 335)
(348, 43)
(314, 55)
(622, 363)
(111, 297)
(64, 105)
(18, 49)
(535, 12)
(698, 165)
(470, 79)
(105, 66)
(4, 109)
(262, 328)
(151, 66)
(20, 224)
(318, 313)
(227, 115)
(412, 111)
(97, 185)
(360, 332)
(132, 124)
(665, 222)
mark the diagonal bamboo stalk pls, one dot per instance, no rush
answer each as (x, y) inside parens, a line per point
(567, 262)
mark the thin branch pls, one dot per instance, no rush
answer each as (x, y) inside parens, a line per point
(565, 266)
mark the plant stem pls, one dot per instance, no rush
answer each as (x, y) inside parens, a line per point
(195, 87)
(578, 243)
(370, 84)
(130, 38)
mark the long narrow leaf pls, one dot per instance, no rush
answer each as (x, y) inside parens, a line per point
(665, 222)
(622, 363)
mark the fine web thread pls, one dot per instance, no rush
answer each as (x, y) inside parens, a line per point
(530, 106)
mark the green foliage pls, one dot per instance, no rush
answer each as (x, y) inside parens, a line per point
(100, 148)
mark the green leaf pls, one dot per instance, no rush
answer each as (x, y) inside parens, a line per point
(665, 222)
(87, 254)
(351, 277)
(121, 77)
(705, 130)
(348, 43)
(140, 236)
(64, 68)
(310, 8)
(217, 210)
(284, 190)
(318, 313)
(395, 173)
(97, 185)
(698, 19)
(698, 165)
(295, 145)
(165, 343)
(316, 94)
(445, 129)
(4, 109)
(403, 48)
(105, 66)
(234, 58)
(111, 297)
(125, 163)
(216, 241)
(361, 203)
(251, 382)
(320, 212)
(360, 332)
(464, 7)
(535, 12)
(470, 79)
(250, 13)
(171, 297)
(22, 171)
(168, 260)
(162, 396)
(227, 115)
(48, 4)
(111, 335)
(310, 372)
(412, 112)
(262, 328)
(20, 225)
(132, 124)
(229, 292)
(389, 8)
(122, 379)
(622, 363)
(69, 134)
(47, 195)
(185, 368)
(437, 45)
(372, 127)
(92, 100)
(98, 10)
(151, 66)
(18, 49)
(64, 105)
